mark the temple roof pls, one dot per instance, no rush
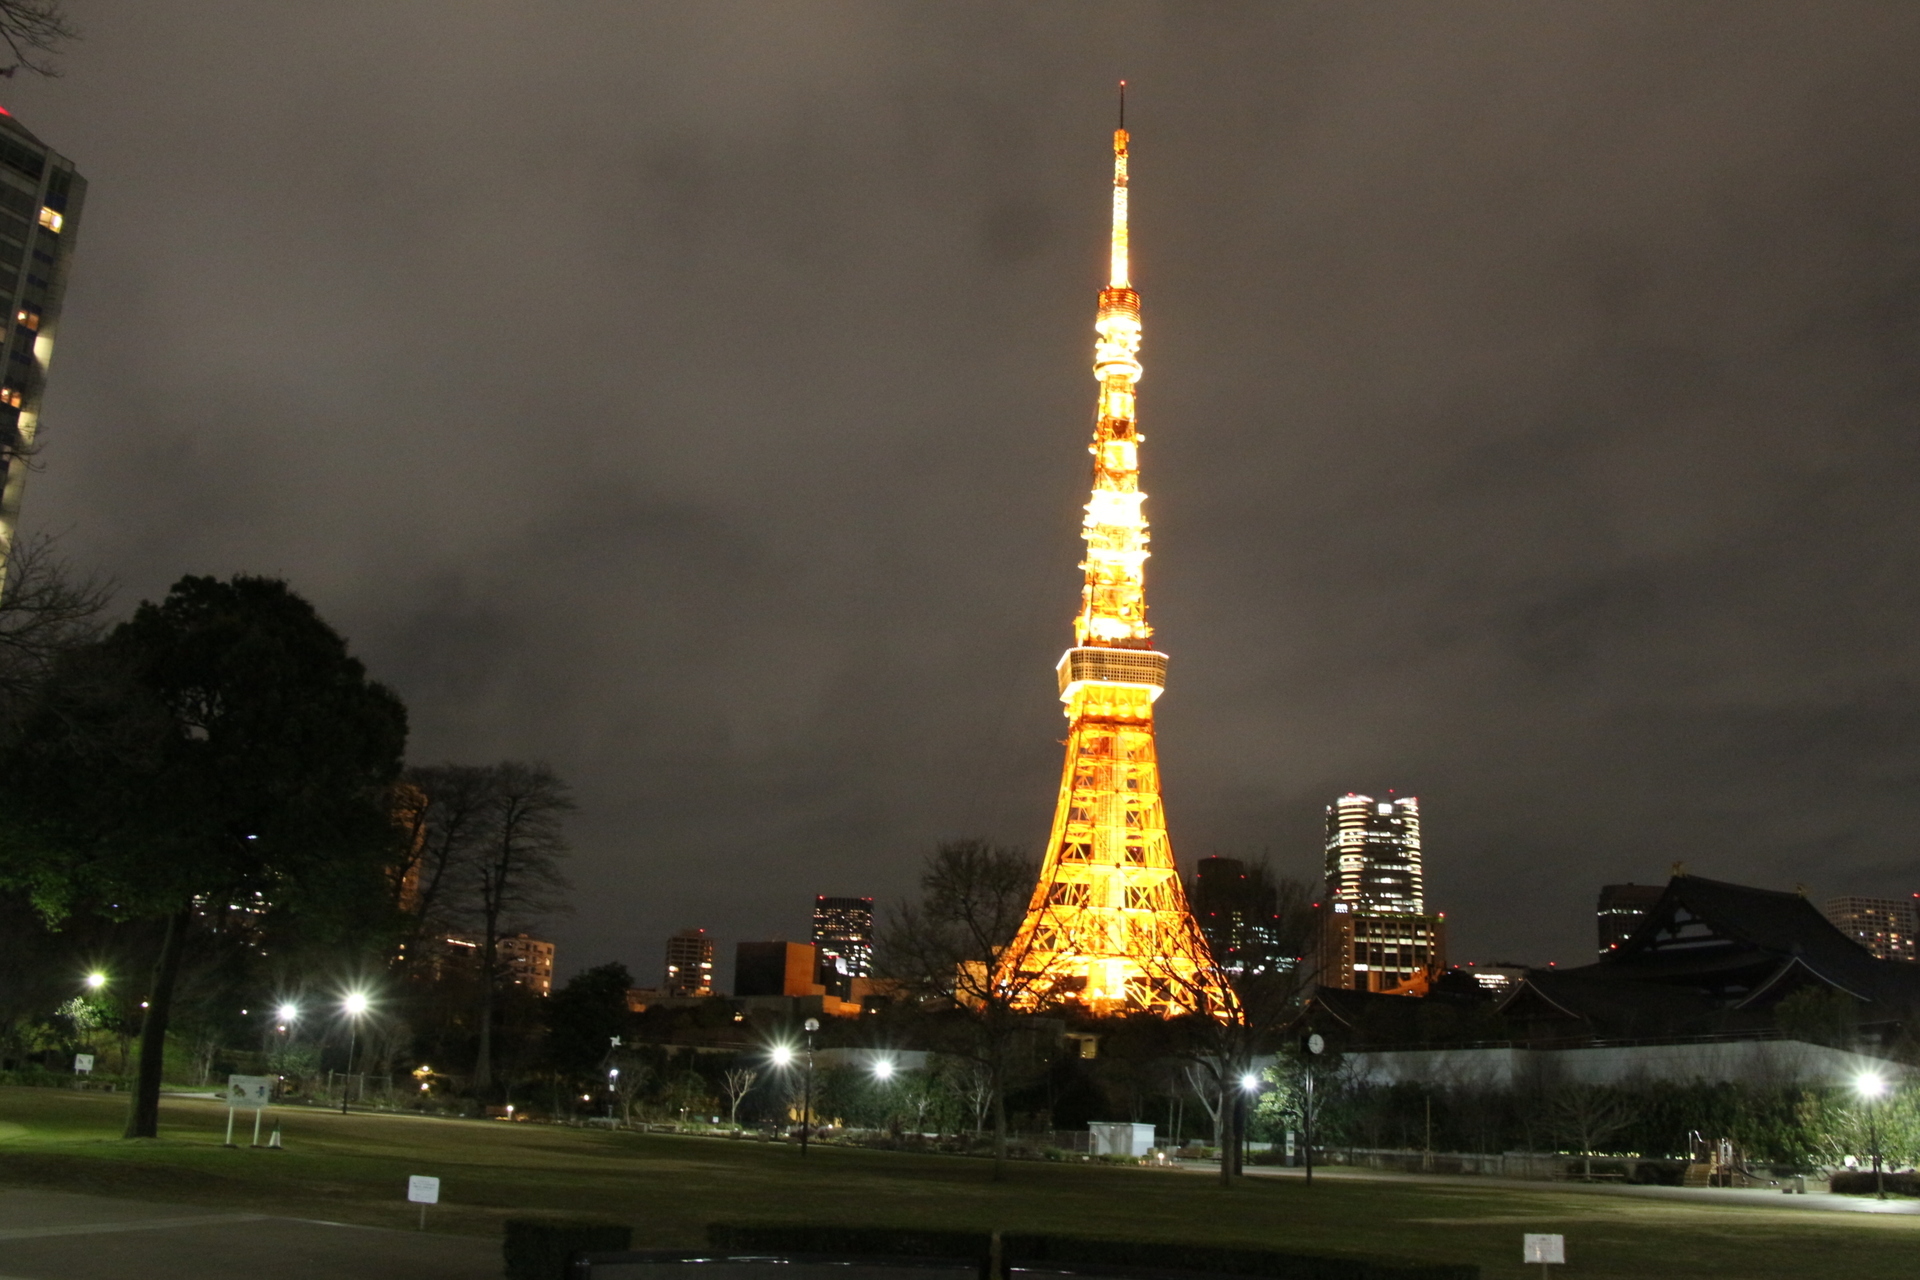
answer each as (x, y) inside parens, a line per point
(1733, 943)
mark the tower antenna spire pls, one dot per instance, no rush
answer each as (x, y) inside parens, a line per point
(1123, 104)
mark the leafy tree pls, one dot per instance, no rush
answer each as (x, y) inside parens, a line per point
(221, 746)
(1819, 1015)
(584, 1018)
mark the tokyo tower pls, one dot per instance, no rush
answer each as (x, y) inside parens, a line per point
(1108, 927)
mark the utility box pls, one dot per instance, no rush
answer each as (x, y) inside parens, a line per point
(1113, 1138)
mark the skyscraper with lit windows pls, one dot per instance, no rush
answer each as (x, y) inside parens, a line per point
(689, 964)
(1375, 932)
(40, 199)
(842, 942)
(1373, 854)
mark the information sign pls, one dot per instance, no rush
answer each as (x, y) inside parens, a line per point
(1544, 1248)
(249, 1093)
(82, 1064)
(423, 1190)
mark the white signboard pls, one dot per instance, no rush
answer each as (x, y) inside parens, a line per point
(423, 1190)
(82, 1064)
(1544, 1248)
(249, 1093)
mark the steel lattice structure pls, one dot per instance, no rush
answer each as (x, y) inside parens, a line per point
(1108, 926)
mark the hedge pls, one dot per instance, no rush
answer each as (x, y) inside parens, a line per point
(1052, 1252)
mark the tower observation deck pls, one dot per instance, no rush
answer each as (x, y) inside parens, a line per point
(1108, 927)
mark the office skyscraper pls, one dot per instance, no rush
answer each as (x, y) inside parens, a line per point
(1884, 926)
(40, 199)
(1373, 854)
(689, 964)
(1236, 907)
(1375, 932)
(842, 942)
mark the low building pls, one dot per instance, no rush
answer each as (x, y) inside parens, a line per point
(1495, 979)
(1719, 982)
(774, 969)
(1389, 953)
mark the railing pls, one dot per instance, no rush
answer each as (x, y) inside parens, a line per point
(1592, 1042)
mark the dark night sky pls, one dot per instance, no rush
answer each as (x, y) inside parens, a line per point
(696, 397)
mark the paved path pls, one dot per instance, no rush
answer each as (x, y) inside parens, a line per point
(1751, 1197)
(51, 1235)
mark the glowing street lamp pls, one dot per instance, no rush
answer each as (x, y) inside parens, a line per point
(781, 1056)
(354, 1005)
(96, 980)
(1870, 1085)
(883, 1070)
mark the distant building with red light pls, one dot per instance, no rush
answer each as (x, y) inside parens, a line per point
(1620, 911)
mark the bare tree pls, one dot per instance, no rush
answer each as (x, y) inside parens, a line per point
(948, 949)
(1588, 1116)
(515, 874)
(44, 611)
(447, 811)
(634, 1076)
(1223, 1035)
(34, 31)
(737, 1082)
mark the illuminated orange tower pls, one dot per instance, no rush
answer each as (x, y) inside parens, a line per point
(1108, 926)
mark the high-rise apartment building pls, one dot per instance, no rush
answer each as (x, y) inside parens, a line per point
(1373, 854)
(1885, 926)
(843, 935)
(527, 962)
(40, 199)
(1621, 909)
(1237, 907)
(1375, 932)
(689, 964)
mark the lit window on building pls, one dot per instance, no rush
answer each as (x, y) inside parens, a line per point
(51, 219)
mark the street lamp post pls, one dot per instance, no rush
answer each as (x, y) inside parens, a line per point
(806, 1098)
(353, 1006)
(1870, 1086)
(883, 1076)
(1249, 1088)
(1314, 1046)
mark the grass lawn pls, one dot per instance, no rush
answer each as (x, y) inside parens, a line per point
(354, 1169)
